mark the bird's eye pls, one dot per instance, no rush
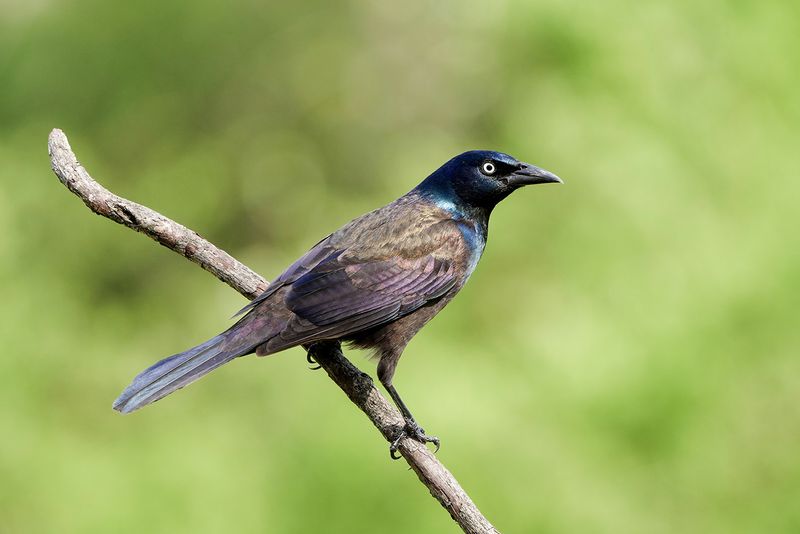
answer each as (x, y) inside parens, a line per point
(488, 168)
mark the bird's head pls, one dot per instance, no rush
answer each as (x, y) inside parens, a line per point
(482, 178)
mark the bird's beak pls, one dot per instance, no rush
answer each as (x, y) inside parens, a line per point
(528, 174)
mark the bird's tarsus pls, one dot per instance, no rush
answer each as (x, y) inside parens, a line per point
(414, 431)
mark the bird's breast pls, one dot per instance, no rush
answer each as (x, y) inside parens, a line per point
(475, 241)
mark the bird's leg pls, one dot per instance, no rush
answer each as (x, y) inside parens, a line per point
(411, 429)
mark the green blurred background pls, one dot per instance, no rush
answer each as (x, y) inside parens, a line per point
(625, 358)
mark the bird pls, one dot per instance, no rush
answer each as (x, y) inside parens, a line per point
(373, 283)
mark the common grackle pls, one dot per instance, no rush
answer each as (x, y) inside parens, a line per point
(373, 283)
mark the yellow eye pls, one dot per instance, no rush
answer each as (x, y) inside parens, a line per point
(488, 168)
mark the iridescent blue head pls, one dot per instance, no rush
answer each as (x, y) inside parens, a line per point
(479, 179)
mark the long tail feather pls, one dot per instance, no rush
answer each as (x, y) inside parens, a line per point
(175, 372)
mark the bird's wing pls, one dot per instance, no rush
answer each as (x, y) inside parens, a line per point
(308, 261)
(337, 298)
(372, 236)
(375, 269)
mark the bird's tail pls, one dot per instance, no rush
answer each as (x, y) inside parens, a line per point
(175, 372)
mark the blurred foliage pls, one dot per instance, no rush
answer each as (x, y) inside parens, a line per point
(625, 359)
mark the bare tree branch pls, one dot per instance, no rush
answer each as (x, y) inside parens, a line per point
(357, 385)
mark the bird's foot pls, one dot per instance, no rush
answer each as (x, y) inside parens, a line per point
(310, 359)
(414, 431)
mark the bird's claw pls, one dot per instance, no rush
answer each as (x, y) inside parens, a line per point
(310, 359)
(414, 431)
